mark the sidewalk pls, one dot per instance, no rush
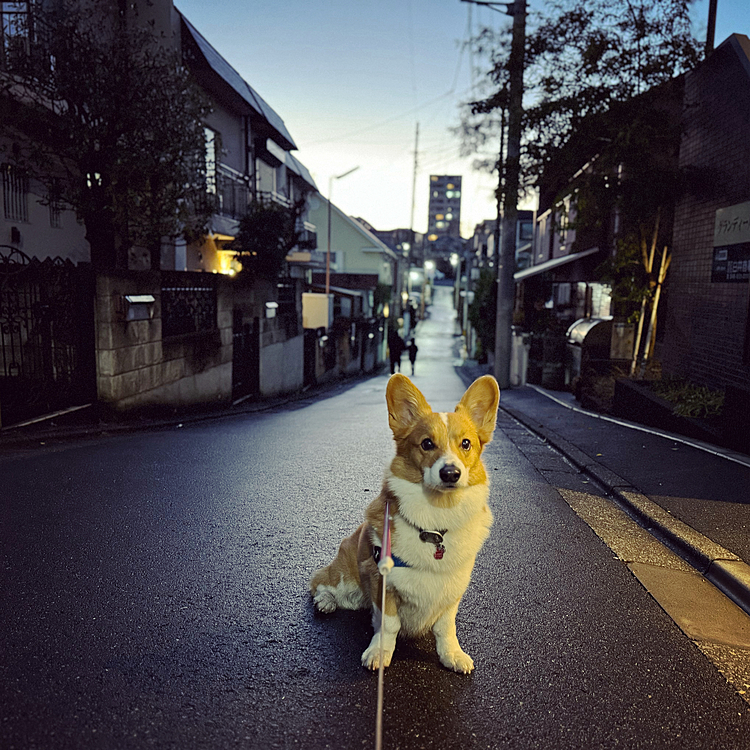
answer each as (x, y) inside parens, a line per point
(692, 496)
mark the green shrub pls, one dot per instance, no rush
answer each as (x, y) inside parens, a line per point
(690, 400)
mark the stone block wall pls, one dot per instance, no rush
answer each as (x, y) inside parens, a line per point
(137, 367)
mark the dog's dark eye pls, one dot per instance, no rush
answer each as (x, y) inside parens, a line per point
(427, 445)
(466, 444)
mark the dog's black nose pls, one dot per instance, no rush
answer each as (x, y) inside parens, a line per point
(450, 474)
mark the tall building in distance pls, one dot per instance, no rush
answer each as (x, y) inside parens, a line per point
(444, 208)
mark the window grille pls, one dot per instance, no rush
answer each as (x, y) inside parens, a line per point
(15, 194)
(188, 303)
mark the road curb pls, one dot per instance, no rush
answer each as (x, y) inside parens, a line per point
(725, 570)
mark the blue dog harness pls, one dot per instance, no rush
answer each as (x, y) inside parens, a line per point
(397, 561)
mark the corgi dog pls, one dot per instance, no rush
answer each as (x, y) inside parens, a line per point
(436, 489)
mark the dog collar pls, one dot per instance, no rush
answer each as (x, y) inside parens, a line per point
(435, 536)
(431, 536)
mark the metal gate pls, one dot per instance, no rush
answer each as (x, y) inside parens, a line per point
(245, 357)
(46, 336)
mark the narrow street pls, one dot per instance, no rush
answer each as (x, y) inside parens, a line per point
(154, 593)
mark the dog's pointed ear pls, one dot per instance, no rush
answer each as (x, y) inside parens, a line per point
(405, 404)
(481, 401)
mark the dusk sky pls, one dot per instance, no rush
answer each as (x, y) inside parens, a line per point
(351, 80)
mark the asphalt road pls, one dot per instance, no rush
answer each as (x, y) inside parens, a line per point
(154, 591)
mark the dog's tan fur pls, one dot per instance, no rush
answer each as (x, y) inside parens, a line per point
(425, 595)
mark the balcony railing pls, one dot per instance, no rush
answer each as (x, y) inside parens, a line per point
(308, 238)
(233, 193)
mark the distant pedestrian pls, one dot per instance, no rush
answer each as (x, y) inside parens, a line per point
(396, 348)
(413, 349)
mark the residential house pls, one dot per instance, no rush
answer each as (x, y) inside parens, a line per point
(480, 257)
(482, 244)
(249, 159)
(192, 332)
(408, 247)
(359, 261)
(359, 278)
(613, 177)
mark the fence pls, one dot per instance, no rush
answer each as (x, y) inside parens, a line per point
(46, 335)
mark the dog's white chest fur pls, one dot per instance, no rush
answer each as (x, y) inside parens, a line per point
(428, 585)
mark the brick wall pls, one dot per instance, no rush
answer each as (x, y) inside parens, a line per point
(705, 322)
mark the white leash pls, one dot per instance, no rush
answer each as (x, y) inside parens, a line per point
(384, 566)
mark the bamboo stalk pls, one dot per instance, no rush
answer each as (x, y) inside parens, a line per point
(648, 263)
(666, 259)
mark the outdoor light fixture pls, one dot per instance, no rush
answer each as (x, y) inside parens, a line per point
(140, 306)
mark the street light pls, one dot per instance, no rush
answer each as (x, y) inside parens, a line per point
(328, 254)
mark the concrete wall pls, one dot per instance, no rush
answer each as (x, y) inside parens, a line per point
(136, 367)
(334, 355)
(282, 367)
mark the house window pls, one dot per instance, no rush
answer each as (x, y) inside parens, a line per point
(14, 30)
(15, 193)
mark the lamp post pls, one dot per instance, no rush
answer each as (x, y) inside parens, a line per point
(328, 254)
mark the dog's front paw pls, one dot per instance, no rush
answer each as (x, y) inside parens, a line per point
(458, 661)
(325, 601)
(371, 655)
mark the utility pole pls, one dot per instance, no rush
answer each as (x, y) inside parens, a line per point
(408, 257)
(414, 178)
(500, 188)
(711, 30)
(506, 261)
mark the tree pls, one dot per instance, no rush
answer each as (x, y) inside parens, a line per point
(482, 310)
(584, 60)
(266, 235)
(108, 121)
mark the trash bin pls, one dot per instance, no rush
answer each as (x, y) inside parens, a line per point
(547, 360)
(587, 347)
